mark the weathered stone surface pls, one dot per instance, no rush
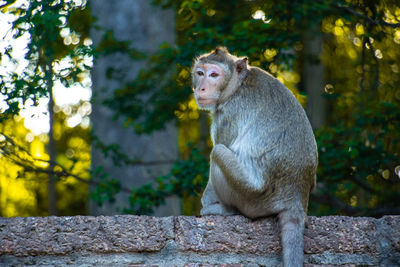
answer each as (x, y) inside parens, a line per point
(227, 234)
(64, 235)
(340, 235)
(332, 265)
(392, 231)
(193, 241)
(213, 265)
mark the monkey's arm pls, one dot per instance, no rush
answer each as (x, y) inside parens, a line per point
(235, 173)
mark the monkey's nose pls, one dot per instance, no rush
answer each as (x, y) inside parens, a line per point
(202, 89)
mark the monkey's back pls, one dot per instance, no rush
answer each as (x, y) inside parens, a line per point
(265, 125)
(268, 115)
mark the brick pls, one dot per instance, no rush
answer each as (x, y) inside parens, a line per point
(64, 235)
(340, 234)
(234, 234)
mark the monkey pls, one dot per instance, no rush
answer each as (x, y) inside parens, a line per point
(264, 156)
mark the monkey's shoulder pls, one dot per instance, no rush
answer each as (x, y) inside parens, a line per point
(268, 88)
(262, 82)
(257, 74)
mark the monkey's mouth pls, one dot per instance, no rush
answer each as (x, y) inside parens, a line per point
(206, 101)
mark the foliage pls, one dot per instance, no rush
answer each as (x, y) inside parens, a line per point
(356, 166)
(201, 26)
(136, 99)
(271, 35)
(106, 187)
(25, 168)
(358, 147)
(187, 177)
(51, 38)
(73, 157)
(57, 51)
(19, 197)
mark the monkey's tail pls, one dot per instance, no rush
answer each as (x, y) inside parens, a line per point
(291, 222)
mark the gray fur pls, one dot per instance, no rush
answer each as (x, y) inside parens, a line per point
(264, 157)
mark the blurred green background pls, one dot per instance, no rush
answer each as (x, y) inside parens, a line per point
(340, 59)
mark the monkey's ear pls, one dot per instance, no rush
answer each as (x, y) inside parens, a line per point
(241, 68)
(241, 65)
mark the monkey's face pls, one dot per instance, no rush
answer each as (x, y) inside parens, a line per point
(208, 80)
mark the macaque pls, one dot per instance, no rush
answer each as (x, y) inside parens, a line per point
(264, 157)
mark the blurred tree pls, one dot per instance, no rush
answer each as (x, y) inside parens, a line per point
(55, 52)
(126, 31)
(357, 68)
(20, 197)
(359, 147)
(25, 168)
(313, 77)
(357, 35)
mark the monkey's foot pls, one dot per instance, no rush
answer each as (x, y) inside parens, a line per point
(217, 209)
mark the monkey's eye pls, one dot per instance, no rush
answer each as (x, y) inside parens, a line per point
(214, 74)
(200, 73)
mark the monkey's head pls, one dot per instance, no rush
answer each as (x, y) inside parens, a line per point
(216, 76)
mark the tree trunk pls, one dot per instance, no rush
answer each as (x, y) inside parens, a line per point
(51, 147)
(314, 78)
(146, 26)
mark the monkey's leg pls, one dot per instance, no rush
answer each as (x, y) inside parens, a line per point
(246, 182)
(212, 205)
(292, 228)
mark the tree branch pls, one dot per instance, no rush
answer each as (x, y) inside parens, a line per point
(327, 199)
(27, 163)
(375, 85)
(362, 184)
(7, 4)
(365, 17)
(362, 80)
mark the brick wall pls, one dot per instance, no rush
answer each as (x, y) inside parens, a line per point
(193, 241)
